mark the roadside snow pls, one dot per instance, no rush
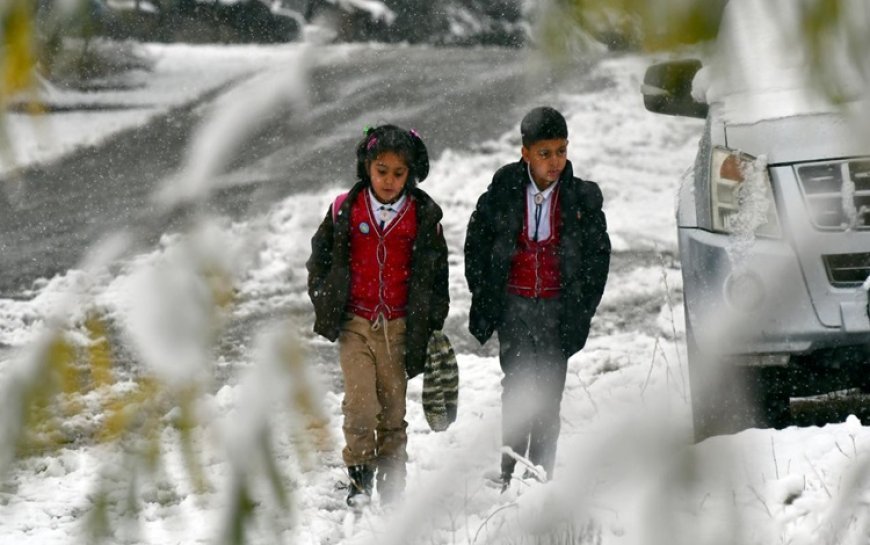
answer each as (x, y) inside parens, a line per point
(181, 75)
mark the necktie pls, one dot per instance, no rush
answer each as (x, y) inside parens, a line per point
(384, 213)
(539, 201)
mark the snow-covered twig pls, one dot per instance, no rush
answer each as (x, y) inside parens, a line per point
(539, 472)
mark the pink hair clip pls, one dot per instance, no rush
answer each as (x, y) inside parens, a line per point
(415, 134)
(372, 141)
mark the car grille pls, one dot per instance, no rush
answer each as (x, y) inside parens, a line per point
(833, 205)
(846, 270)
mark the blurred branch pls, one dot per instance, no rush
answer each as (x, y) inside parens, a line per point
(18, 47)
(651, 25)
(838, 43)
(666, 25)
(17, 59)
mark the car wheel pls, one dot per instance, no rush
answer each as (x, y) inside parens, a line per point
(728, 397)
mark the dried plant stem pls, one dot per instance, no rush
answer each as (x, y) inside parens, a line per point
(761, 501)
(673, 320)
(775, 464)
(819, 477)
(488, 518)
(652, 362)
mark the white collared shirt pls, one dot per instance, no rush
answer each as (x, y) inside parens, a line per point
(544, 224)
(385, 212)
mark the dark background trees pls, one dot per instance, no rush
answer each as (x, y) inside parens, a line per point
(444, 22)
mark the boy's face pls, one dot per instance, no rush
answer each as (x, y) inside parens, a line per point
(546, 159)
(389, 174)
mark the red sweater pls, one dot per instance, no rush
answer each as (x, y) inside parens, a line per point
(534, 268)
(380, 261)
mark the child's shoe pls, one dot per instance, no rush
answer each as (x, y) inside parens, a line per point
(391, 481)
(360, 489)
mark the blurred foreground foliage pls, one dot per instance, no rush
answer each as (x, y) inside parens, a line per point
(18, 46)
(827, 25)
(76, 390)
(45, 43)
(668, 25)
(54, 40)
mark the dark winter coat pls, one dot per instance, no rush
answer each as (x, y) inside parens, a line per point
(428, 296)
(584, 252)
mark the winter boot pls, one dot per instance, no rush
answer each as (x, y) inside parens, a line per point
(529, 475)
(506, 477)
(391, 480)
(360, 489)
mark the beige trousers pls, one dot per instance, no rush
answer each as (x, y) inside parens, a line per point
(375, 384)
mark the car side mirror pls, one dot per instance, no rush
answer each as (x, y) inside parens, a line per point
(667, 89)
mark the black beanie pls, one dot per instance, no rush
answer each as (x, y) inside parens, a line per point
(543, 123)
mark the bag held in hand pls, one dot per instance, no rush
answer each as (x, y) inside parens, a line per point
(440, 383)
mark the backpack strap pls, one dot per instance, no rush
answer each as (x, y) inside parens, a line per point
(336, 205)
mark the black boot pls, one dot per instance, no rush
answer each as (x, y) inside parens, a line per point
(507, 471)
(360, 489)
(506, 477)
(391, 480)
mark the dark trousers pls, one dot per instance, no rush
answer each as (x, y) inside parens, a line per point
(534, 377)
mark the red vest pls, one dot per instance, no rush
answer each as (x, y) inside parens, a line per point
(535, 265)
(380, 261)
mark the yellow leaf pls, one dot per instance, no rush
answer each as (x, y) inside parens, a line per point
(124, 411)
(99, 355)
(654, 24)
(18, 58)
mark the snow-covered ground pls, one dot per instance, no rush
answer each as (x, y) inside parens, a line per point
(625, 471)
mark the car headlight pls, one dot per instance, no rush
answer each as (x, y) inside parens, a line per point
(742, 196)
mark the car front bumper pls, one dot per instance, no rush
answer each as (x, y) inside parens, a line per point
(752, 298)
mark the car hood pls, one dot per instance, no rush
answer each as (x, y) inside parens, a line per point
(811, 137)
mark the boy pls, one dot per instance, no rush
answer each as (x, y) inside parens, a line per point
(536, 260)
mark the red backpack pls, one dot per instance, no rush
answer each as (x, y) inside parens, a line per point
(336, 205)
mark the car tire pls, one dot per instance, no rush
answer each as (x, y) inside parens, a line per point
(728, 398)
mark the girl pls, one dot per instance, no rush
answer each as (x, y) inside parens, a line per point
(377, 276)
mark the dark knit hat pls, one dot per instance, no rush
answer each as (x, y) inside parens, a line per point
(543, 123)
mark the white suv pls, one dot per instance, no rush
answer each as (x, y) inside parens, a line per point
(773, 222)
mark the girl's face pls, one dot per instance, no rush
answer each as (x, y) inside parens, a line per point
(389, 174)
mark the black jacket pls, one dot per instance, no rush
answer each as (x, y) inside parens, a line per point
(584, 252)
(428, 296)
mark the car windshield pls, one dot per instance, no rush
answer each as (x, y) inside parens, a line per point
(763, 66)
